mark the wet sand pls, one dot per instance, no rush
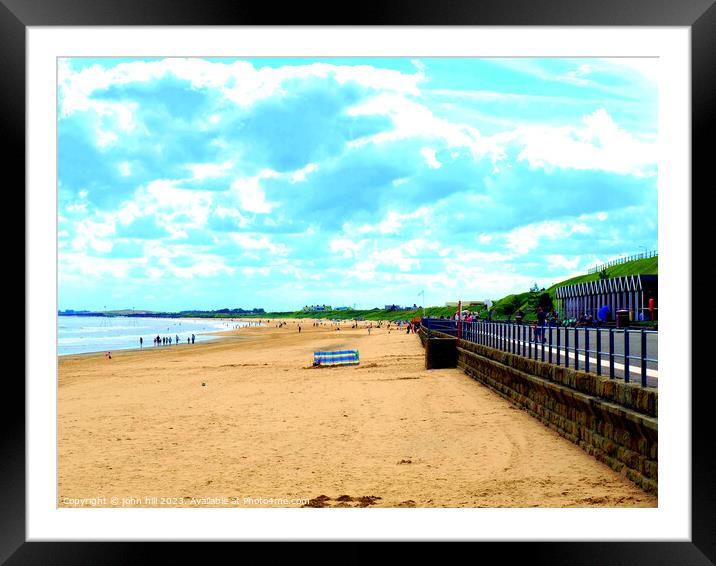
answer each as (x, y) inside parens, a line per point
(241, 422)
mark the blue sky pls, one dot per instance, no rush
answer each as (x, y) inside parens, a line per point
(275, 183)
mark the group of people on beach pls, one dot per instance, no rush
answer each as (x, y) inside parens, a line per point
(167, 340)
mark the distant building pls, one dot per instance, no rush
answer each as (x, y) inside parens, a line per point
(631, 293)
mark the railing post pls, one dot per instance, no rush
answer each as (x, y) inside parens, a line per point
(586, 348)
(599, 351)
(566, 346)
(529, 343)
(550, 345)
(559, 334)
(627, 371)
(576, 348)
(643, 358)
(611, 353)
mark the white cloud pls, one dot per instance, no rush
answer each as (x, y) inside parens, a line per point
(240, 81)
(300, 175)
(392, 223)
(251, 271)
(577, 75)
(414, 120)
(105, 139)
(430, 159)
(525, 238)
(346, 247)
(250, 195)
(562, 262)
(599, 144)
(201, 171)
(404, 256)
(125, 169)
(205, 266)
(77, 207)
(96, 267)
(225, 212)
(253, 242)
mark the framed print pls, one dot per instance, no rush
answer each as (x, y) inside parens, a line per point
(267, 194)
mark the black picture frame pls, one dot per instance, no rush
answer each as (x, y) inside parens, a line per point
(698, 15)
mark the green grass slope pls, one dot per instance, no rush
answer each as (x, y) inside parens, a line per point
(648, 266)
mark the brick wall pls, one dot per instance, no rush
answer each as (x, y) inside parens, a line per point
(613, 421)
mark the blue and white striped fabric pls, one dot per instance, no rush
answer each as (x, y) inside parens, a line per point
(338, 358)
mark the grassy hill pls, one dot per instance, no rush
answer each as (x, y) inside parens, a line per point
(649, 266)
(524, 301)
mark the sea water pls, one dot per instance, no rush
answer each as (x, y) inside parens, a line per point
(80, 334)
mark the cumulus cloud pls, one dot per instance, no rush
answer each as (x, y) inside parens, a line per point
(597, 144)
(525, 238)
(347, 179)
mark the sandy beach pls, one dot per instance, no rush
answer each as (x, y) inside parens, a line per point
(244, 421)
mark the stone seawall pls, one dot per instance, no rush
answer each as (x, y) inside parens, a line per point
(613, 421)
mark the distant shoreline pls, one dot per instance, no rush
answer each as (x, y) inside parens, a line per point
(87, 338)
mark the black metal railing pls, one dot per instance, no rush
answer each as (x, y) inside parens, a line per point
(620, 353)
(621, 260)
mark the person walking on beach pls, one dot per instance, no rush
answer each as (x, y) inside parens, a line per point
(177, 337)
(141, 342)
(192, 338)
